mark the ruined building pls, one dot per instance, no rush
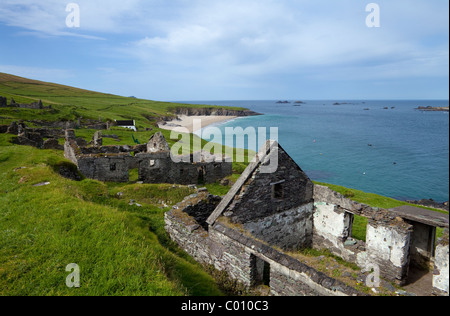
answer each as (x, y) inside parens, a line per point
(253, 231)
(153, 161)
(34, 105)
(42, 138)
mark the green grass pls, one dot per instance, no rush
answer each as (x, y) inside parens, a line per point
(121, 249)
(360, 228)
(70, 103)
(372, 199)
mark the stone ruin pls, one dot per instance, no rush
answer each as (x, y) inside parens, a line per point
(252, 231)
(153, 161)
(34, 105)
(42, 138)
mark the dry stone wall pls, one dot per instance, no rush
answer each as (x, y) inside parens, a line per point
(292, 229)
(238, 253)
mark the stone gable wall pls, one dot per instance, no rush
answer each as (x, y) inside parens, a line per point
(292, 229)
(295, 188)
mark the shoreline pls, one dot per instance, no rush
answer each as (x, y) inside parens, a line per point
(187, 121)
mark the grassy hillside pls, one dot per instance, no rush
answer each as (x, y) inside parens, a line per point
(121, 249)
(70, 103)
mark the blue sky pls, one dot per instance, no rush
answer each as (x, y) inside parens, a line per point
(175, 50)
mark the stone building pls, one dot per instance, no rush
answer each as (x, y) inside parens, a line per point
(153, 161)
(34, 105)
(252, 231)
(37, 137)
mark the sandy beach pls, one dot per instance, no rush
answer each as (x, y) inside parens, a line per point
(188, 122)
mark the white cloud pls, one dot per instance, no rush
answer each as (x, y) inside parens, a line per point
(48, 17)
(219, 44)
(261, 37)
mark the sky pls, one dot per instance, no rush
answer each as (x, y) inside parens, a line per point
(182, 50)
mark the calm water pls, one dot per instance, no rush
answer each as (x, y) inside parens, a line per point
(400, 152)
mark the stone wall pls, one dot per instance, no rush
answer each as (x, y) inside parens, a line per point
(241, 255)
(292, 229)
(388, 246)
(112, 163)
(333, 231)
(158, 167)
(34, 136)
(441, 270)
(190, 236)
(107, 169)
(395, 240)
(35, 105)
(271, 193)
(388, 240)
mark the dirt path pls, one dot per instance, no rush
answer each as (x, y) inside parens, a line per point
(420, 282)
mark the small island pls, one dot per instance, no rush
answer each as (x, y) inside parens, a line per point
(433, 108)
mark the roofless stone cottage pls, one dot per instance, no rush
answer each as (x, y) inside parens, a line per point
(252, 231)
(153, 161)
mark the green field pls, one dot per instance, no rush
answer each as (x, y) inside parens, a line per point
(69, 104)
(121, 249)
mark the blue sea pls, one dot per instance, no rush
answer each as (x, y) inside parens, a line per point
(398, 152)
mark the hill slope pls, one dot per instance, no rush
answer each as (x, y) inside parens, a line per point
(70, 103)
(121, 249)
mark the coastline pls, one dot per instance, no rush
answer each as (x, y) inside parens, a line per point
(187, 121)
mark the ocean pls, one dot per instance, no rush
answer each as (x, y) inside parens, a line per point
(383, 147)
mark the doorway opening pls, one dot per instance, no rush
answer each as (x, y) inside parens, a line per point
(260, 272)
